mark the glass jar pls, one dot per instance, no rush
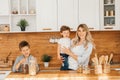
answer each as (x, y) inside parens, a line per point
(25, 68)
(106, 68)
(86, 70)
(108, 1)
(32, 67)
(79, 70)
(98, 69)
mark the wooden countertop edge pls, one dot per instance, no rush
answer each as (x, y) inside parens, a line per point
(65, 74)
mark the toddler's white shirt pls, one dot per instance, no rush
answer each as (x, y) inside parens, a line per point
(64, 42)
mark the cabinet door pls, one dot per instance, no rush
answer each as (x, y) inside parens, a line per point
(46, 15)
(89, 13)
(110, 13)
(68, 13)
(4, 7)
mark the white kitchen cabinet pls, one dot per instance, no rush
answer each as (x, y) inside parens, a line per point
(4, 7)
(89, 13)
(110, 14)
(4, 14)
(46, 15)
(68, 13)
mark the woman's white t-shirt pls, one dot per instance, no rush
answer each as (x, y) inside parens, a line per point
(83, 56)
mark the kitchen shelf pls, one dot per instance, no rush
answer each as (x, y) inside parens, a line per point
(17, 10)
(109, 14)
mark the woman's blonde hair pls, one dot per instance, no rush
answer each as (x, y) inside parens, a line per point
(88, 37)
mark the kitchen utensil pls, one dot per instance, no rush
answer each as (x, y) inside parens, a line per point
(111, 56)
(106, 59)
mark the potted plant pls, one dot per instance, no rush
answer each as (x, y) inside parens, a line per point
(46, 59)
(23, 24)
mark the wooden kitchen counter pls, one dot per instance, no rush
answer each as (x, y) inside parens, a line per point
(64, 75)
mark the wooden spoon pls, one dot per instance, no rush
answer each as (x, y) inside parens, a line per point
(111, 56)
(96, 58)
(106, 59)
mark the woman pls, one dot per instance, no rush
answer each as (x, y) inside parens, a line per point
(81, 48)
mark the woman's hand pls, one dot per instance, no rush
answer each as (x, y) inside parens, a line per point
(66, 50)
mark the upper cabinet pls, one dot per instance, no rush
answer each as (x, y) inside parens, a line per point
(4, 14)
(4, 7)
(110, 14)
(46, 15)
(68, 13)
(50, 15)
(89, 13)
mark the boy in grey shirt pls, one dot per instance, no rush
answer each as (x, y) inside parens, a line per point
(25, 58)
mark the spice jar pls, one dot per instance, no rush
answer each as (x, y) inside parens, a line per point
(111, 13)
(79, 70)
(108, 1)
(86, 70)
(106, 13)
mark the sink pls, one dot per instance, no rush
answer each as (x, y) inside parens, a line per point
(4, 74)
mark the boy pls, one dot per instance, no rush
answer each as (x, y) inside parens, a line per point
(64, 42)
(24, 47)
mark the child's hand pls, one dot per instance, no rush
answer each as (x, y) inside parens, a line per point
(62, 58)
(23, 60)
(59, 57)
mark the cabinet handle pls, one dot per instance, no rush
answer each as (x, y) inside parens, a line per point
(71, 28)
(46, 29)
(91, 28)
(108, 28)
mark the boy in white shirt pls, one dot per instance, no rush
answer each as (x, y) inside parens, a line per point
(64, 42)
